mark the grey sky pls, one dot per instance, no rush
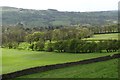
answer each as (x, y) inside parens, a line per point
(64, 5)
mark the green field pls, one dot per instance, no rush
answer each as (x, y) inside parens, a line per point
(106, 69)
(14, 60)
(103, 36)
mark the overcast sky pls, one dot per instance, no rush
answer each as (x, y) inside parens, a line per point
(64, 5)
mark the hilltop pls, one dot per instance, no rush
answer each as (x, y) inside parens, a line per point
(41, 18)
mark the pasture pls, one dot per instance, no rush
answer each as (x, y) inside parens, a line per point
(111, 36)
(106, 69)
(15, 60)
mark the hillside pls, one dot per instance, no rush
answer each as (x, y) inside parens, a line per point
(32, 18)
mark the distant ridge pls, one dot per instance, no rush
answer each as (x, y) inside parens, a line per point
(42, 18)
(7, 7)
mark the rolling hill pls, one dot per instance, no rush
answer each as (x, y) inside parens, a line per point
(41, 18)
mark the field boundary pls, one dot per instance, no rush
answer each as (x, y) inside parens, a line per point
(56, 66)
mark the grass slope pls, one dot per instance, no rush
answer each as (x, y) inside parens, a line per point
(14, 60)
(104, 36)
(106, 69)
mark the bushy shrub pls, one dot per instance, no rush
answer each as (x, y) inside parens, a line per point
(31, 46)
(10, 45)
(112, 45)
(72, 45)
(48, 46)
(39, 46)
(58, 46)
(24, 46)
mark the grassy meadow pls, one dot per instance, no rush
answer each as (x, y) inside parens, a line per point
(15, 60)
(113, 36)
(106, 69)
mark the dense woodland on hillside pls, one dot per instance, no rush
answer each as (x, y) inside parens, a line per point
(51, 17)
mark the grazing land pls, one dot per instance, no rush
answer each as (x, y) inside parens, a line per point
(15, 60)
(113, 36)
(106, 69)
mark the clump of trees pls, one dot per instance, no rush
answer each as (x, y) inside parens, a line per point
(18, 34)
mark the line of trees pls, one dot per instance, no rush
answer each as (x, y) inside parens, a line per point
(71, 46)
(80, 46)
(76, 46)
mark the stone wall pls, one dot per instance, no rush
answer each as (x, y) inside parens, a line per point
(56, 66)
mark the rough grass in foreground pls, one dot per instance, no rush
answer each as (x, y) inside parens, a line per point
(106, 69)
